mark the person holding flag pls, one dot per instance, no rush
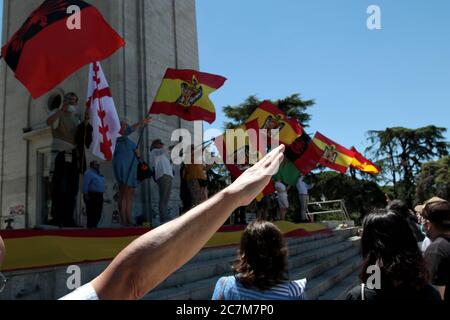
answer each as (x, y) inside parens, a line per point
(125, 167)
(64, 123)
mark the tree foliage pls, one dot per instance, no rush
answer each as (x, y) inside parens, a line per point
(401, 152)
(294, 106)
(360, 196)
(434, 180)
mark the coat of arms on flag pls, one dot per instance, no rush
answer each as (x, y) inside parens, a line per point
(270, 117)
(185, 93)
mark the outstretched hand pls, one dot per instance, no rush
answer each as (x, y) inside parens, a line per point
(253, 181)
(146, 121)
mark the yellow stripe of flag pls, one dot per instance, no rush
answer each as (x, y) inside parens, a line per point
(170, 91)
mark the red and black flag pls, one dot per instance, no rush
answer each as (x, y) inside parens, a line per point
(45, 51)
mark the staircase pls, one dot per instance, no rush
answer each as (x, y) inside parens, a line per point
(330, 262)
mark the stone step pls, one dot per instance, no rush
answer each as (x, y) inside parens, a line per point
(325, 258)
(313, 255)
(328, 280)
(339, 292)
(318, 267)
(217, 265)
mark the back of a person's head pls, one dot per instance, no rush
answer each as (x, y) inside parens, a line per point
(399, 207)
(262, 261)
(388, 241)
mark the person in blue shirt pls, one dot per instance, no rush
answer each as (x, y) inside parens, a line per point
(93, 190)
(261, 268)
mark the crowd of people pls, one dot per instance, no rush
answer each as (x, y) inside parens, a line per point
(71, 140)
(72, 137)
(390, 242)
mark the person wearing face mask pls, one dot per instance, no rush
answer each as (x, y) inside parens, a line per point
(64, 122)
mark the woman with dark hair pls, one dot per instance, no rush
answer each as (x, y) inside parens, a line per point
(402, 209)
(389, 248)
(261, 268)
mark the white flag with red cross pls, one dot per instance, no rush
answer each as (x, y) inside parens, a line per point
(103, 114)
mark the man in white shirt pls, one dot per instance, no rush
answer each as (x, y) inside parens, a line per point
(283, 200)
(303, 189)
(151, 258)
(163, 170)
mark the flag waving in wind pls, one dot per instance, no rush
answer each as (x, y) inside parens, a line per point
(363, 164)
(334, 155)
(238, 158)
(103, 114)
(185, 93)
(270, 117)
(44, 51)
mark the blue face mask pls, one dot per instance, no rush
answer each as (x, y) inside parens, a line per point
(422, 229)
(72, 109)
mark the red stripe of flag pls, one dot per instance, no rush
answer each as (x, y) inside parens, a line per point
(191, 114)
(210, 80)
(330, 142)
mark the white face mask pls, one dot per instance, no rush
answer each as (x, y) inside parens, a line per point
(72, 109)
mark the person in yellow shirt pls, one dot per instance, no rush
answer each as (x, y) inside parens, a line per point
(196, 178)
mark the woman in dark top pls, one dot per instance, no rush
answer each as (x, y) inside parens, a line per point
(388, 243)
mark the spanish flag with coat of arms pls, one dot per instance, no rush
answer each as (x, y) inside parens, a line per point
(253, 149)
(363, 164)
(334, 155)
(185, 93)
(270, 117)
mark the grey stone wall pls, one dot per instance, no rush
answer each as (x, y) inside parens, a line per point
(159, 34)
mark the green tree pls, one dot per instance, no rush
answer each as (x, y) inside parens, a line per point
(401, 152)
(434, 180)
(294, 106)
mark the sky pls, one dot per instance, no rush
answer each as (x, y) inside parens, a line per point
(361, 79)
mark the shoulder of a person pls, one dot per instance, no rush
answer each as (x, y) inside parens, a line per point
(354, 293)
(301, 283)
(444, 240)
(431, 293)
(438, 246)
(226, 282)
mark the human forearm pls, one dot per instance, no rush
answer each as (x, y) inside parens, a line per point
(153, 257)
(51, 120)
(150, 259)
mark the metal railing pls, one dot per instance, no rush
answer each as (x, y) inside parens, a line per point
(341, 208)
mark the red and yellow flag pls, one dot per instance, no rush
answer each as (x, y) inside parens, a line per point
(270, 117)
(334, 155)
(363, 164)
(185, 93)
(232, 153)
